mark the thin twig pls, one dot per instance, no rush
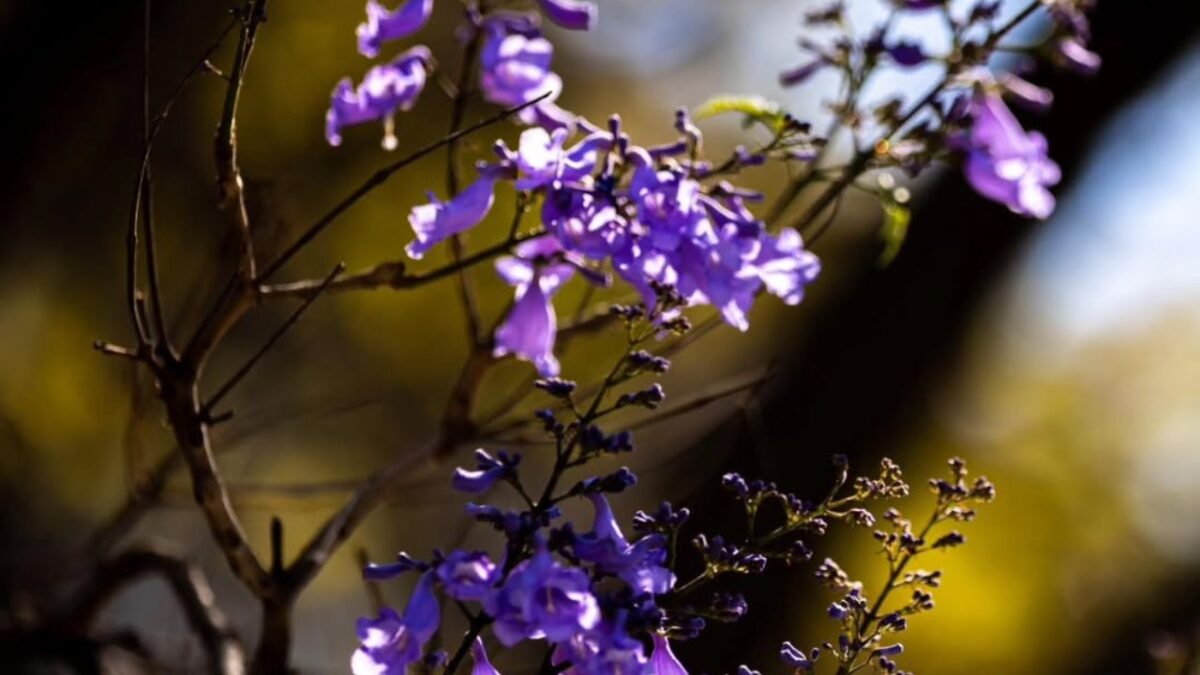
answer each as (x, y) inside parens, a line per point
(453, 185)
(390, 274)
(230, 186)
(271, 341)
(377, 179)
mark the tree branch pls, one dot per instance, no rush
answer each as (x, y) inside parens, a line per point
(230, 187)
(187, 582)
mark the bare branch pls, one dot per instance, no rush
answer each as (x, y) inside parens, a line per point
(377, 179)
(187, 582)
(390, 274)
(273, 340)
(230, 187)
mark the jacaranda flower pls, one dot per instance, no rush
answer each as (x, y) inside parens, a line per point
(515, 65)
(466, 576)
(383, 25)
(542, 599)
(391, 642)
(490, 470)
(530, 331)
(662, 660)
(572, 14)
(639, 564)
(1006, 164)
(479, 655)
(437, 221)
(384, 90)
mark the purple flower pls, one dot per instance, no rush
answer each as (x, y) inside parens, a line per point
(531, 328)
(607, 650)
(437, 221)
(466, 576)
(1006, 164)
(572, 14)
(784, 266)
(662, 660)
(542, 599)
(384, 90)
(490, 470)
(639, 564)
(391, 642)
(479, 655)
(515, 66)
(383, 26)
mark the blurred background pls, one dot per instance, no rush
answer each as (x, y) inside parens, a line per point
(1062, 359)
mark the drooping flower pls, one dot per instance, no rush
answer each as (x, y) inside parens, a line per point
(531, 328)
(542, 599)
(385, 89)
(662, 659)
(466, 576)
(795, 657)
(1006, 164)
(490, 470)
(515, 67)
(383, 25)
(639, 564)
(437, 221)
(479, 655)
(572, 14)
(391, 642)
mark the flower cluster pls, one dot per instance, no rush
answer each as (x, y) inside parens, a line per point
(514, 62)
(603, 603)
(868, 628)
(643, 212)
(1001, 160)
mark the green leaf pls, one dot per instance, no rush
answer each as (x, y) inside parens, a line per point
(896, 218)
(755, 108)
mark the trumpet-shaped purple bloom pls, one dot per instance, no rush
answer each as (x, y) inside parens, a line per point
(639, 564)
(383, 25)
(542, 599)
(466, 576)
(479, 655)
(490, 470)
(384, 90)
(784, 266)
(1006, 164)
(572, 14)
(437, 221)
(607, 650)
(515, 67)
(529, 332)
(662, 659)
(391, 642)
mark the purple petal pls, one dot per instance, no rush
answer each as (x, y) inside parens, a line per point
(571, 14)
(662, 660)
(482, 665)
(437, 221)
(385, 89)
(530, 330)
(383, 25)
